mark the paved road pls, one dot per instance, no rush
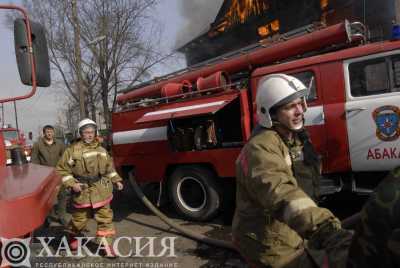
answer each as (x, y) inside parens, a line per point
(133, 220)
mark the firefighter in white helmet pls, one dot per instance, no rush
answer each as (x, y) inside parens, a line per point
(281, 105)
(87, 169)
(276, 180)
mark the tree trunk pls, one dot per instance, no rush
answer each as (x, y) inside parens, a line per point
(92, 104)
(106, 109)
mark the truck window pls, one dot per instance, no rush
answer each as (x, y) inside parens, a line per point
(10, 135)
(396, 71)
(308, 79)
(371, 77)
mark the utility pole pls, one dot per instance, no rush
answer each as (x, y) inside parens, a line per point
(2, 115)
(16, 115)
(78, 59)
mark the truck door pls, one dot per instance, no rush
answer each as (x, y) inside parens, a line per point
(372, 111)
(314, 117)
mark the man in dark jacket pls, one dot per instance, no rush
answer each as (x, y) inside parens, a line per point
(47, 151)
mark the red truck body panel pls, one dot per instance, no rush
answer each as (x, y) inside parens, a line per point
(26, 196)
(3, 157)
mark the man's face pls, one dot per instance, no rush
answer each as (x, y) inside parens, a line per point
(291, 114)
(49, 134)
(88, 134)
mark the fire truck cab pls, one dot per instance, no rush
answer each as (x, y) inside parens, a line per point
(187, 130)
(27, 191)
(353, 114)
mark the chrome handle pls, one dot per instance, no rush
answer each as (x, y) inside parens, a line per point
(355, 109)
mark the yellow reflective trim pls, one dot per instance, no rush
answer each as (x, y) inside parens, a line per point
(112, 175)
(89, 154)
(288, 160)
(295, 207)
(70, 161)
(66, 178)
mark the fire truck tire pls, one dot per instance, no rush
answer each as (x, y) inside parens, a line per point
(194, 193)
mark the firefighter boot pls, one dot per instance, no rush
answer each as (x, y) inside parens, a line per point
(109, 252)
(73, 243)
(107, 249)
(105, 230)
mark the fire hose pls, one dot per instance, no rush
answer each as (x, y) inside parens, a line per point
(347, 223)
(186, 232)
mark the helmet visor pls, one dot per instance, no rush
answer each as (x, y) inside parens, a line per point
(298, 94)
(92, 126)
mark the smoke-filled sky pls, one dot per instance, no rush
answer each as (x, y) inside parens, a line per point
(197, 16)
(182, 20)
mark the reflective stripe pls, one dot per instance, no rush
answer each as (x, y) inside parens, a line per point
(70, 161)
(94, 205)
(102, 203)
(89, 154)
(140, 135)
(288, 160)
(295, 207)
(65, 178)
(112, 175)
(105, 232)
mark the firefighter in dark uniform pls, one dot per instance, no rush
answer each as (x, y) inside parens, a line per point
(376, 241)
(87, 169)
(276, 222)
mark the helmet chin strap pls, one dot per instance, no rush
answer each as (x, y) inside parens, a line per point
(87, 142)
(300, 128)
(276, 123)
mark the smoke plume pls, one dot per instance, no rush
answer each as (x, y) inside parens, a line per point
(198, 15)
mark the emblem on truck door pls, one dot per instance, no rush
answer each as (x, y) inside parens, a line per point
(387, 122)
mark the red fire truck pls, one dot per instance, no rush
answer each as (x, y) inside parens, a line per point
(27, 191)
(15, 138)
(185, 130)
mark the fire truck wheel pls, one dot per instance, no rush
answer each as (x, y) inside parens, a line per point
(194, 193)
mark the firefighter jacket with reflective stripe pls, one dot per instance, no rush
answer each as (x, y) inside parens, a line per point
(91, 165)
(273, 214)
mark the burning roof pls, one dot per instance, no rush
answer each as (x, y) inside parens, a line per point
(243, 22)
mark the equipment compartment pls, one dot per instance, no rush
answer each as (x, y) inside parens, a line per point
(207, 131)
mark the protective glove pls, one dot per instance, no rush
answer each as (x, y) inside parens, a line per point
(329, 235)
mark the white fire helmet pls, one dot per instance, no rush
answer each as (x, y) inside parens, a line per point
(275, 90)
(84, 123)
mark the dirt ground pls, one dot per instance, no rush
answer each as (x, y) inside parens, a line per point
(132, 219)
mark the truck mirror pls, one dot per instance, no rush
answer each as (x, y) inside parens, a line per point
(39, 50)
